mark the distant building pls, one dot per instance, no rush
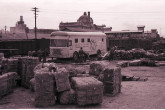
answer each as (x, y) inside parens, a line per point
(19, 27)
(125, 34)
(151, 34)
(140, 33)
(42, 31)
(141, 28)
(83, 24)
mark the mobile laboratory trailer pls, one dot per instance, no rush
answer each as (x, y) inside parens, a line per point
(67, 44)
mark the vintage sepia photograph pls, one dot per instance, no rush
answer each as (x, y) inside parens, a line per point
(82, 54)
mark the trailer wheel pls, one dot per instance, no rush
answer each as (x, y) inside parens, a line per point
(98, 54)
(76, 56)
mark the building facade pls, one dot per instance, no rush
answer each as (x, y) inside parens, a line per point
(84, 23)
(19, 27)
(139, 33)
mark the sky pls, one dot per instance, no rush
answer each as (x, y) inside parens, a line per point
(118, 14)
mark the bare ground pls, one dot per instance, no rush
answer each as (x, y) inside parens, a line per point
(134, 94)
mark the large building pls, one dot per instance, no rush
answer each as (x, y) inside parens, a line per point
(139, 33)
(19, 27)
(84, 23)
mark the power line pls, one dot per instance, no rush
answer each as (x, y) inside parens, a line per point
(35, 13)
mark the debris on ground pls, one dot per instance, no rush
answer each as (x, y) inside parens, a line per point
(133, 78)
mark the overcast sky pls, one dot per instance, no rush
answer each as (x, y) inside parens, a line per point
(118, 14)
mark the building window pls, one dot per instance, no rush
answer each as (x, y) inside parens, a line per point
(76, 40)
(102, 39)
(82, 40)
(88, 39)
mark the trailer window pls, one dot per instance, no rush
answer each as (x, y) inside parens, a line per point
(82, 40)
(59, 43)
(88, 39)
(70, 42)
(76, 40)
(102, 39)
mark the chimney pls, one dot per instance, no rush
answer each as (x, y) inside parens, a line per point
(89, 14)
(21, 18)
(85, 13)
(141, 27)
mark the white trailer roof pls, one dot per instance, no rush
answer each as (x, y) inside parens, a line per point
(65, 33)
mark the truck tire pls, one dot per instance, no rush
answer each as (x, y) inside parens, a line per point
(76, 57)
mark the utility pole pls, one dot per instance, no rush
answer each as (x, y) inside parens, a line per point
(5, 29)
(35, 13)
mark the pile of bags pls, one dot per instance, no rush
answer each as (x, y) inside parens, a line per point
(134, 54)
(9, 65)
(1, 57)
(7, 83)
(139, 62)
(53, 84)
(25, 69)
(122, 55)
(108, 75)
(137, 53)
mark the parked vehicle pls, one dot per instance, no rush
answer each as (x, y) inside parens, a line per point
(67, 44)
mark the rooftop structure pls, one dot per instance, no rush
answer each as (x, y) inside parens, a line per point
(83, 24)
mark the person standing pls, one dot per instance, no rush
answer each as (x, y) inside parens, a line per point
(81, 55)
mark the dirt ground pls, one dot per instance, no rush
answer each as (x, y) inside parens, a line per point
(148, 94)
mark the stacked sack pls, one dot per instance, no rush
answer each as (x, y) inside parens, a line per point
(44, 88)
(138, 53)
(110, 76)
(51, 84)
(122, 55)
(1, 57)
(88, 90)
(7, 83)
(65, 86)
(9, 65)
(27, 64)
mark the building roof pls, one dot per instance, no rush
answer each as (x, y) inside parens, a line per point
(127, 31)
(64, 33)
(141, 26)
(147, 32)
(78, 30)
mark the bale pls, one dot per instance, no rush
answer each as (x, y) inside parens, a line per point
(67, 97)
(7, 83)
(28, 65)
(83, 75)
(32, 84)
(50, 66)
(88, 90)
(96, 68)
(62, 80)
(44, 89)
(1, 57)
(9, 65)
(77, 71)
(112, 81)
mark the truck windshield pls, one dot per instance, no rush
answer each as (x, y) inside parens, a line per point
(59, 43)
